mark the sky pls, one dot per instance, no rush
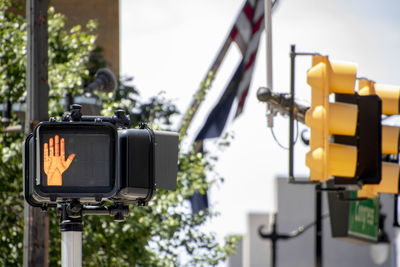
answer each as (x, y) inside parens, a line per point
(169, 45)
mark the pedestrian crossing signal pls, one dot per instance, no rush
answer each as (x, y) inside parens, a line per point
(94, 161)
(71, 160)
(54, 163)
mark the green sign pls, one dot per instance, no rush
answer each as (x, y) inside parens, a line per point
(364, 218)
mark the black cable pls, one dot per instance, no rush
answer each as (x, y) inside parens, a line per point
(292, 234)
(277, 141)
(304, 228)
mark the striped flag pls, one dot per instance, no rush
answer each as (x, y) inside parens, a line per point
(246, 34)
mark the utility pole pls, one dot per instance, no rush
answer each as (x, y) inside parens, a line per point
(36, 229)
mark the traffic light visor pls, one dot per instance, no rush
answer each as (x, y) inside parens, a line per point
(366, 87)
(390, 95)
(388, 185)
(338, 77)
(390, 139)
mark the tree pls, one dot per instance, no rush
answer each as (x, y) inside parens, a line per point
(165, 233)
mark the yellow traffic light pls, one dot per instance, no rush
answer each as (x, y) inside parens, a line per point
(390, 171)
(390, 139)
(390, 101)
(366, 87)
(389, 94)
(389, 182)
(325, 119)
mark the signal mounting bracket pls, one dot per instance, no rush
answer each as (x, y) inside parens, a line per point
(293, 54)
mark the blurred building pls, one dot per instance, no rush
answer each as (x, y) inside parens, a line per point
(296, 208)
(106, 13)
(252, 250)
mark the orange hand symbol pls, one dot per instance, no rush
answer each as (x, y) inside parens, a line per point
(55, 164)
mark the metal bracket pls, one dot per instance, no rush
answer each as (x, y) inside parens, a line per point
(293, 54)
(120, 120)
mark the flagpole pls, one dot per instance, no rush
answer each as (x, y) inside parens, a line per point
(220, 112)
(198, 97)
(270, 112)
(268, 35)
(268, 42)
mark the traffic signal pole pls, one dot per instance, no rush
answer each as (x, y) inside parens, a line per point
(71, 227)
(36, 229)
(318, 226)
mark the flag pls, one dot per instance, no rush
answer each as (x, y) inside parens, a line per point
(216, 120)
(246, 34)
(198, 202)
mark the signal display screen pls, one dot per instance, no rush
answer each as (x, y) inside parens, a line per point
(74, 159)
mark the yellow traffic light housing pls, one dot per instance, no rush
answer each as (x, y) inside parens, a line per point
(325, 119)
(390, 95)
(390, 138)
(390, 102)
(389, 183)
(366, 87)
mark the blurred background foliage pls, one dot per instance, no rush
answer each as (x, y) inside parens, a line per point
(165, 233)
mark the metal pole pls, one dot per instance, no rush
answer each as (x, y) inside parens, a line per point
(274, 241)
(36, 229)
(282, 103)
(71, 228)
(268, 43)
(71, 249)
(291, 108)
(268, 35)
(318, 228)
(397, 231)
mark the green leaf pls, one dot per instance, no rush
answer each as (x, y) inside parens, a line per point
(165, 233)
